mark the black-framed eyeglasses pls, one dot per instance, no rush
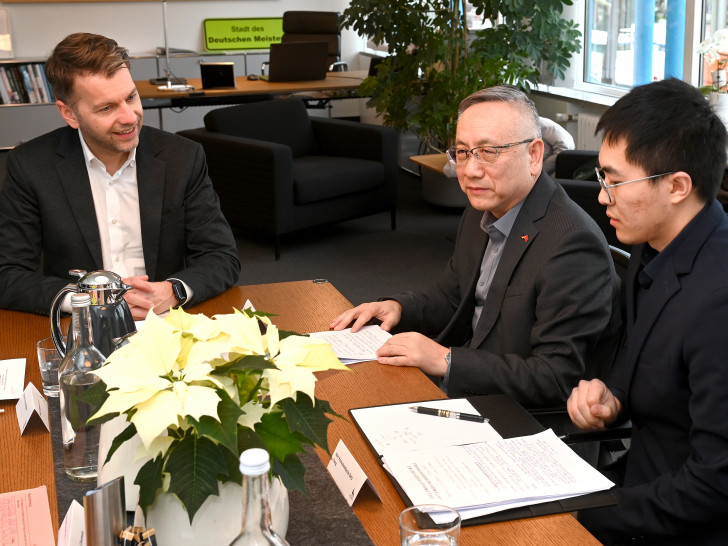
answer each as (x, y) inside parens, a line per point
(607, 187)
(482, 154)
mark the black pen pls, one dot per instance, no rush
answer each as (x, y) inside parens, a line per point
(449, 414)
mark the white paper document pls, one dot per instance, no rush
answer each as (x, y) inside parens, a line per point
(12, 378)
(486, 477)
(397, 428)
(359, 347)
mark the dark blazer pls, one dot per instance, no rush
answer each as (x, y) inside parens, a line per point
(673, 384)
(48, 222)
(551, 316)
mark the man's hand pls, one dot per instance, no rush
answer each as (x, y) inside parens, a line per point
(413, 349)
(148, 295)
(592, 405)
(388, 312)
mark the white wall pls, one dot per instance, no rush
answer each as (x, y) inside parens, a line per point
(38, 27)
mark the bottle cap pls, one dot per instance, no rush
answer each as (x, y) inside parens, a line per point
(254, 462)
(80, 300)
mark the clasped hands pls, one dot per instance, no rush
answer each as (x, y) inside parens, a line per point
(148, 295)
(405, 349)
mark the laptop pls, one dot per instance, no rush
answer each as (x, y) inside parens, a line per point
(298, 61)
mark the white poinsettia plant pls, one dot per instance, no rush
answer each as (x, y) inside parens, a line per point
(714, 50)
(199, 391)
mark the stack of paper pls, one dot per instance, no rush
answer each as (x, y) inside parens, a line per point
(429, 459)
(359, 347)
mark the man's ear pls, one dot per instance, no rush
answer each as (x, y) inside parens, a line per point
(67, 114)
(535, 150)
(681, 186)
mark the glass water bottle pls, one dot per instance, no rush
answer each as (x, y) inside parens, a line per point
(80, 441)
(254, 466)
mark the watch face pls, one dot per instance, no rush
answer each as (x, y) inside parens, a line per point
(179, 291)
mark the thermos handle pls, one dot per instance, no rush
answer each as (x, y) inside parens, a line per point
(55, 318)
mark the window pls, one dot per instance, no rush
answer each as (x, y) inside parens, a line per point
(715, 17)
(627, 43)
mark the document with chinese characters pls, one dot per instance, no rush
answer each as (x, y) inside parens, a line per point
(486, 477)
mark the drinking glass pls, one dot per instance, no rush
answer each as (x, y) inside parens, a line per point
(429, 525)
(49, 361)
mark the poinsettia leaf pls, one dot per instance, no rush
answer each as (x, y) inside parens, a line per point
(244, 363)
(194, 467)
(283, 334)
(101, 420)
(279, 440)
(224, 431)
(232, 462)
(122, 437)
(291, 472)
(149, 479)
(308, 419)
(95, 395)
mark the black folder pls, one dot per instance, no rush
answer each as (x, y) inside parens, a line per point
(510, 420)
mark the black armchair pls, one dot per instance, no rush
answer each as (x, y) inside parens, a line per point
(278, 170)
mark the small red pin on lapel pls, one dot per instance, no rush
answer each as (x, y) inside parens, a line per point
(525, 238)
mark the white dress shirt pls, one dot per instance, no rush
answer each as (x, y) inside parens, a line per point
(116, 201)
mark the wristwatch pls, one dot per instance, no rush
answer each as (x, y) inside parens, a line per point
(179, 291)
(448, 358)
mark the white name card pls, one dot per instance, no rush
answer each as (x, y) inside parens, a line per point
(12, 377)
(31, 402)
(73, 529)
(348, 475)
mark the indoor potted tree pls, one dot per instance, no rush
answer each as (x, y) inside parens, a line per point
(435, 61)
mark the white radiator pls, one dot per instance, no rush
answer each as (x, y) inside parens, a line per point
(585, 138)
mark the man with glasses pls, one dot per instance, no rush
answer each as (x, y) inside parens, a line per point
(662, 158)
(525, 305)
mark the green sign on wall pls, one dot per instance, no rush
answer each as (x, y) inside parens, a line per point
(247, 33)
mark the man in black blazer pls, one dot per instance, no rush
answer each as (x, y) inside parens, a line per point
(662, 158)
(105, 193)
(526, 304)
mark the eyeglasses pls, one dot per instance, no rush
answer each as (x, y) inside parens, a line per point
(603, 182)
(482, 154)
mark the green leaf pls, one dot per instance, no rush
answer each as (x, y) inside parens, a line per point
(291, 472)
(95, 395)
(308, 419)
(122, 437)
(149, 479)
(194, 467)
(279, 440)
(225, 431)
(244, 363)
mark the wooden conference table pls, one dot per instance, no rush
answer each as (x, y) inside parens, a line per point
(245, 90)
(302, 306)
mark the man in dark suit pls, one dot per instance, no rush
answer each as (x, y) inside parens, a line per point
(105, 193)
(662, 157)
(525, 305)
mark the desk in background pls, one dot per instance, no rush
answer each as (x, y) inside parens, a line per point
(344, 84)
(301, 306)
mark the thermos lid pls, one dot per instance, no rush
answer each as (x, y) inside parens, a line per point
(99, 280)
(254, 462)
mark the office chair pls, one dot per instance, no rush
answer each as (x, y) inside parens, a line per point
(315, 26)
(278, 170)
